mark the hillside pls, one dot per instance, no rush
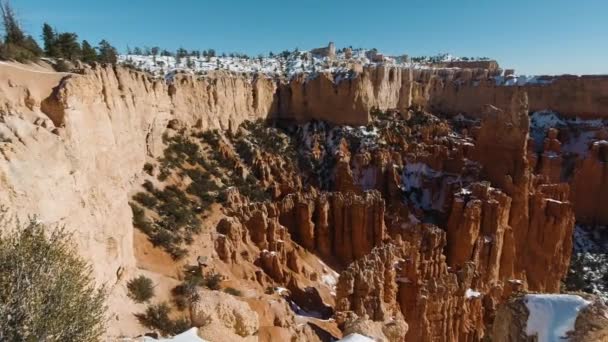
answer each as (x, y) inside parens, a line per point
(280, 200)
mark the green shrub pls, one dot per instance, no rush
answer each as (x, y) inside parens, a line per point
(145, 199)
(141, 289)
(47, 292)
(148, 186)
(61, 66)
(149, 168)
(139, 219)
(233, 291)
(212, 281)
(157, 317)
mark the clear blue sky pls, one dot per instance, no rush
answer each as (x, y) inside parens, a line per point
(533, 36)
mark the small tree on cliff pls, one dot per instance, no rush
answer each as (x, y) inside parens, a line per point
(107, 53)
(49, 38)
(68, 46)
(16, 45)
(46, 290)
(89, 54)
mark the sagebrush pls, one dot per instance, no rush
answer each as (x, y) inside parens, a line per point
(47, 292)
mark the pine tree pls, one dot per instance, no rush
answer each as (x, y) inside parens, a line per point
(49, 38)
(89, 54)
(107, 53)
(68, 46)
(12, 29)
(30, 44)
(16, 45)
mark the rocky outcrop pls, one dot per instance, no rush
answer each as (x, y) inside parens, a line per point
(410, 279)
(591, 322)
(220, 316)
(501, 148)
(476, 231)
(589, 183)
(341, 226)
(73, 146)
(551, 161)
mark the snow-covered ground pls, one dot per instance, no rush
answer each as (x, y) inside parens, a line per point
(581, 132)
(295, 63)
(552, 315)
(589, 266)
(520, 80)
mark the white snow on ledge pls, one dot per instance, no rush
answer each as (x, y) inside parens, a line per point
(356, 338)
(470, 293)
(552, 315)
(187, 336)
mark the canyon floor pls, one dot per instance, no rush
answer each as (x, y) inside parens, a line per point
(320, 209)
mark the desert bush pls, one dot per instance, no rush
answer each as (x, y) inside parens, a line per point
(141, 289)
(145, 199)
(148, 186)
(62, 66)
(139, 219)
(149, 168)
(47, 292)
(233, 291)
(211, 137)
(157, 317)
(212, 281)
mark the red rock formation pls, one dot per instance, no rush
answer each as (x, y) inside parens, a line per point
(589, 183)
(476, 229)
(411, 276)
(551, 160)
(344, 226)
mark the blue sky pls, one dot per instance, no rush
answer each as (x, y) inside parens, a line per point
(532, 36)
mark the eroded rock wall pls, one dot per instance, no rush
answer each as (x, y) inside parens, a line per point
(73, 146)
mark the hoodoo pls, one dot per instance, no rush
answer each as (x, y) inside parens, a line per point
(322, 195)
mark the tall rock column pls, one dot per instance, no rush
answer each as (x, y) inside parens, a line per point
(501, 148)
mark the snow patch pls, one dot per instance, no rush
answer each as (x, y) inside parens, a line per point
(187, 336)
(356, 338)
(552, 315)
(470, 293)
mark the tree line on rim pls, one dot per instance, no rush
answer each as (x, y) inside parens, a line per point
(62, 46)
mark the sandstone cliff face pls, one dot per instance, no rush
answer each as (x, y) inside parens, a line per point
(74, 145)
(589, 184)
(344, 226)
(451, 91)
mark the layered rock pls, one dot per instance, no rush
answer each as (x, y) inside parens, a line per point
(341, 226)
(221, 316)
(589, 183)
(410, 279)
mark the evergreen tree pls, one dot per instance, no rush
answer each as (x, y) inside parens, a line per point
(89, 54)
(181, 52)
(107, 53)
(12, 29)
(68, 46)
(137, 51)
(155, 50)
(49, 38)
(16, 45)
(30, 44)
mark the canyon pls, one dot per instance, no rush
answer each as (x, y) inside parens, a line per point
(404, 204)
